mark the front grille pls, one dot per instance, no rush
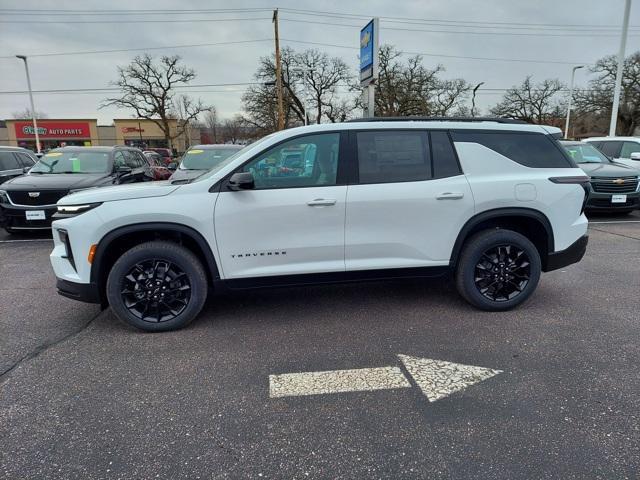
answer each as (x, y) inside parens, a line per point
(45, 197)
(613, 185)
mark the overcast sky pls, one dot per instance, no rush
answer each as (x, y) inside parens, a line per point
(235, 64)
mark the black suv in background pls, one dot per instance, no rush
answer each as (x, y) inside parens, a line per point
(14, 161)
(28, 202)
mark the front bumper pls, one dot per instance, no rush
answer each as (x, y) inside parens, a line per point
(14, 217)
(602, 202)
(83, 292)
(568, 256)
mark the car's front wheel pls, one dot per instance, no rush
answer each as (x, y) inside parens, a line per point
(498, 269)
(157, 286)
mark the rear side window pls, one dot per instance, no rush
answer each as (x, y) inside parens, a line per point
(611, 149)
(445, 160)
(8, 161)
(393, 156)
(533, 150)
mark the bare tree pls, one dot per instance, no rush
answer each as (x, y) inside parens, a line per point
(148, 89)
(322, 75)
(410, 88)
(597, 100)
(26, 113)
(533, 103)
(234, 129)
(211, 123)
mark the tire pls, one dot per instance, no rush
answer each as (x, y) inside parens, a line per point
(509, 282)
(157, 286)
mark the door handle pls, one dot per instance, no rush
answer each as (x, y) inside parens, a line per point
(450, 196)
(321, 202)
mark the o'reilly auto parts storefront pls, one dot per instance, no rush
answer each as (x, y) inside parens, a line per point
(53, 133)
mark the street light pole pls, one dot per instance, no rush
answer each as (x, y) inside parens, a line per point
(33, 110)
(616, 92)
(566, 125)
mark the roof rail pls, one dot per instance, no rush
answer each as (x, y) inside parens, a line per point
(437, 119)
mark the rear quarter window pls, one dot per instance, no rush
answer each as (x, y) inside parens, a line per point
(534, 150)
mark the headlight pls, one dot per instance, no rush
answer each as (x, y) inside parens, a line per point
(65, 211)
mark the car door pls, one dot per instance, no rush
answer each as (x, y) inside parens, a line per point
(292, 222)
(408, 203)
(10, 166)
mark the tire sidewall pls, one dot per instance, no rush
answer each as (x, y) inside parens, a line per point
(180, 257)
(472, 254)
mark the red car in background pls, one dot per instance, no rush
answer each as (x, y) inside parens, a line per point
(158, 169)
(165, 154)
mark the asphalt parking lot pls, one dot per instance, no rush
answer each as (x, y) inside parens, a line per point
(84, 396)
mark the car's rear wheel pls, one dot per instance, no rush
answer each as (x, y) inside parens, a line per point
(157, 286)
(498, 270)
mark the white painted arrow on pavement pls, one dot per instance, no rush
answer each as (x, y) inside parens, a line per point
(435, 378)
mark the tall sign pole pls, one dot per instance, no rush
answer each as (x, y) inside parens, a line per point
(33, 109)
(278, 73)
(369, 43)
(616, 91)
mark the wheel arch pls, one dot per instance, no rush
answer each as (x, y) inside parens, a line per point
(531, 223)
(116, 242)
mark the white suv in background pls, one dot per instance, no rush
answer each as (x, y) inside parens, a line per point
(493, 202)
(624, 150)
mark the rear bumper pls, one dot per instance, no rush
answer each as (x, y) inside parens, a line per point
(572, 254)
(83, 292)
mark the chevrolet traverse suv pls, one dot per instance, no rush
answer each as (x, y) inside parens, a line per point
(492, 202)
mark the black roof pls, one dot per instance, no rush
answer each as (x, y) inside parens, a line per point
(437, 119)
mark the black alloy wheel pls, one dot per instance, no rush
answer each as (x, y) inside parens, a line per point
(503, 272)
(156, 290)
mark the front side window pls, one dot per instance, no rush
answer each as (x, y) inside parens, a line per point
(534, 150)
(393, 156)
(8, 161)
(131, 159)
(306, 161)
(26, 160)
(628, 148)
(73, 162)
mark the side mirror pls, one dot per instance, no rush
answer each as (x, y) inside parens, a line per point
(26, 169)
(241, 181)
(172, 166)
(635, 156)
(123, 170)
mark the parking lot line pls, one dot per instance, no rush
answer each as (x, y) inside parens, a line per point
(617, 221)
(28, 240)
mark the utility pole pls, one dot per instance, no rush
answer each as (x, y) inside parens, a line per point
(278, 72)
(33, 109)
(616, 92)
(566, 125)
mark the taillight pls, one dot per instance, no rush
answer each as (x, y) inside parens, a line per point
(576, 180)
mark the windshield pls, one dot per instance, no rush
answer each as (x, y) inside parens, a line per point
(204, 159)
(73, 162)
(585, 154)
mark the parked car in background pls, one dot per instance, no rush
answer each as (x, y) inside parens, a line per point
(202, 158)
(165, 154)
(614, 186)
(158, 168)
(620, 149)
(15, 161)
(28, 202)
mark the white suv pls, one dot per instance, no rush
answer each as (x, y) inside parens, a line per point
(493, 202)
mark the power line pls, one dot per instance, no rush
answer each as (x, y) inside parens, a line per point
(196, 20)
(529, 34)
(92, 52)
(114, 89)
(425, 54)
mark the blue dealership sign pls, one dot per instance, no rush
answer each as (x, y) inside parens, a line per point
(369, 51)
